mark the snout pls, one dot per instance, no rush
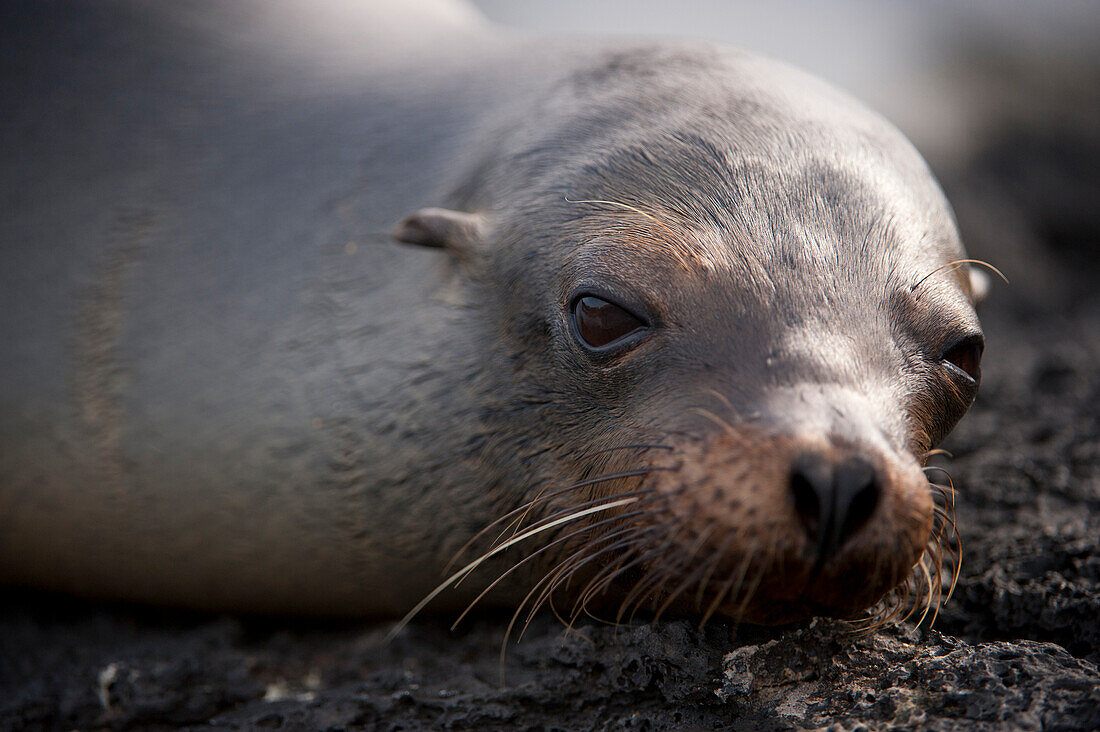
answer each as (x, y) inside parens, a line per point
(803, 525)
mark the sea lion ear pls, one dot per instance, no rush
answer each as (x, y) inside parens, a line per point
(979, 286)
(441, 228)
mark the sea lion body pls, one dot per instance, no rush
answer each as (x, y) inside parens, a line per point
(224, 387)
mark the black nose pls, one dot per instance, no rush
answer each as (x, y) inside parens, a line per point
(833, 500)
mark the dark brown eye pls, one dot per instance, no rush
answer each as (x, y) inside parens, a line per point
(966, 356)
(600, 323)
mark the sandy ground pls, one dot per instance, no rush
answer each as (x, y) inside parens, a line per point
(1017, 647)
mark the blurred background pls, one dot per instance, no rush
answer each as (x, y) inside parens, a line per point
(1002, 98)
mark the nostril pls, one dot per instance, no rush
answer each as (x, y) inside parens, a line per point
(857, 496)
(811, 487)
(806, 503)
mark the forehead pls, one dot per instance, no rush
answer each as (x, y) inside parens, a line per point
(804, 223)
(727, 165)
(726, 195)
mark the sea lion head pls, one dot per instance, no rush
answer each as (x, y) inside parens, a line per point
(724, 324)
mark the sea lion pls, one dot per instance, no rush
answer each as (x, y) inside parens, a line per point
(673, 326)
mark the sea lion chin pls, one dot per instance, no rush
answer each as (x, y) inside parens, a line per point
(673, 328)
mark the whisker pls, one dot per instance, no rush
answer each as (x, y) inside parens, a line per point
(570, 509)
(603, 579)
(586, 554)
(636, 210)
(568, 626)
(928, 580)
(609, 576)
(638, 590)
(484, 557)
(726, 587)
(578, 559)
(541, 498)
(939, 601)
(720, 397)
(722, 423)
(592, 502)
(535, 554)
(955, 264)
(711, 566)
(691, 577)
(765, 567)
(519, 610)
(583, 555)
(570, 566)
(658, 580)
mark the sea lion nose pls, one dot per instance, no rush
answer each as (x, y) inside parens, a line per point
(833, 501)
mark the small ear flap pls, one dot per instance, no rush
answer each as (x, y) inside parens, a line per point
(441, 228)
(979, 286)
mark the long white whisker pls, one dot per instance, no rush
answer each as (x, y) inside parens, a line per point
(477, 562)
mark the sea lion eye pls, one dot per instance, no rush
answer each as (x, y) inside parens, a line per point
(966, 356)
(599, 323)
